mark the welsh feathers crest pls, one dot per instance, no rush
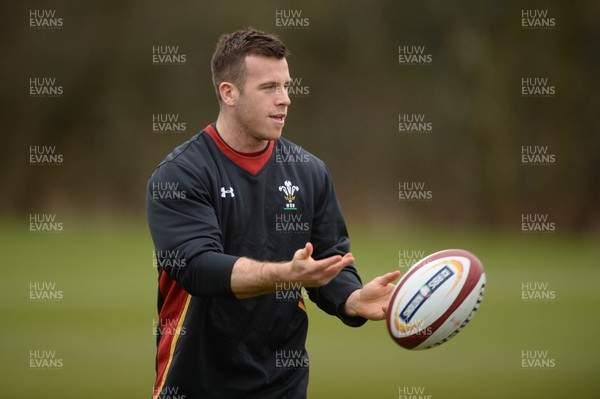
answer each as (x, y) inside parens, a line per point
(289, 190)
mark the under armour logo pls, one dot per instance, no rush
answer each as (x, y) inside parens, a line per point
(225, 192)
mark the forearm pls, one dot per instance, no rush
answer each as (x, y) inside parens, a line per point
(252, 278)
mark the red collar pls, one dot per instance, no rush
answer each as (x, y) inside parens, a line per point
(252, 162)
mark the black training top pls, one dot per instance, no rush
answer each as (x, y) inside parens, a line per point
(208, 205)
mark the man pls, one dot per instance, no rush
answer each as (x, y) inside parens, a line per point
(238, 231)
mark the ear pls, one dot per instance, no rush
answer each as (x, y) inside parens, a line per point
(229, 93)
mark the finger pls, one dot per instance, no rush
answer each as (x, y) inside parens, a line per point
(327, 262)
(348, 259)
(388, 278)
(338, 266)
(345, 260)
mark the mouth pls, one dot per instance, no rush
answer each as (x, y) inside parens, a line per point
(278, 118)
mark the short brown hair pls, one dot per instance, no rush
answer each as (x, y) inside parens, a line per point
(228, 62)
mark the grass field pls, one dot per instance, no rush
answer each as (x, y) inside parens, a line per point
(101, 329)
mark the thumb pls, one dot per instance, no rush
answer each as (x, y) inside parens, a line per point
(304, 253)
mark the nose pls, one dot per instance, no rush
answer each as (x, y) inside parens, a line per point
(283, 98)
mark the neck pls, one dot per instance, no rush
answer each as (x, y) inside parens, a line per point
(235, 137)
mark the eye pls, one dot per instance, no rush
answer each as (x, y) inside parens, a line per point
(286, 86)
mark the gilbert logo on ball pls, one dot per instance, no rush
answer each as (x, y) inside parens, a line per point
(435, 299)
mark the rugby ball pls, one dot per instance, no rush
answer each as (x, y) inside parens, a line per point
(435, 299)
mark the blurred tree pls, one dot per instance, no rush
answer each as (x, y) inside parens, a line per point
(348, 57)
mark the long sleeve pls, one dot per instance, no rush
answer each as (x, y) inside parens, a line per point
(186, 233)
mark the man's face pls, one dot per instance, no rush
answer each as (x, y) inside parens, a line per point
(261, 108)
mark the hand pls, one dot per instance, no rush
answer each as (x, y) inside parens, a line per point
(316, 273)
(250, 277)
(371, 301)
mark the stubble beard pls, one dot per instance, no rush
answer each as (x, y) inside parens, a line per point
(251, 127)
